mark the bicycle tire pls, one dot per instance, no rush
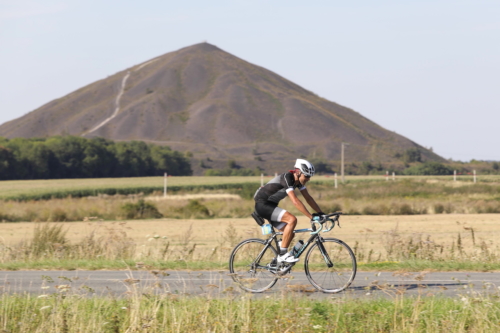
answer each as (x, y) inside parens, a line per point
(330, 279)
(250, 275)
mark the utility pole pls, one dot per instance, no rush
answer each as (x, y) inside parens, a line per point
(165, 185)
(342, 161)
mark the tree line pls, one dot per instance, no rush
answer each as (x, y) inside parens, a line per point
(76, 157)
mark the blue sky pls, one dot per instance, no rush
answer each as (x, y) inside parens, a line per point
(428, 70)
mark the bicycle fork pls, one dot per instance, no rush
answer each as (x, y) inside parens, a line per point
(323, 251)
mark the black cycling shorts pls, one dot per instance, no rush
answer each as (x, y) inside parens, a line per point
(270, 211)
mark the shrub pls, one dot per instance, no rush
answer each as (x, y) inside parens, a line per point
(332, 208)
(412, 155)
(194, 209)
(58, 215)
(233, 172)
(438, 209)
(7, 218)
(376, 210)
(141, 210)
(403, 209)
(47, 238)
(429, 169)
(247, 191)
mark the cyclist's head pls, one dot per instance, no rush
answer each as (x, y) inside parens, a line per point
(304, 167)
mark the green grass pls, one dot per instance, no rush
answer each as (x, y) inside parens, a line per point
(229, 311)
(61, 188)
(197, 265)
(108, 264)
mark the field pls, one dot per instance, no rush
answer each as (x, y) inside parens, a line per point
(443, 241)
(390, 224)
(231, 197)
(33, 189)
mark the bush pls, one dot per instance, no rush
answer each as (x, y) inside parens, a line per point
(438, 209)
(58, 215)
(376, 210)
(321, 166)
(233, 172)
(7, 218)
(412, 155)
(141, 210)
(429, 169)
(247, 191)
(47, 238)
(403, 209)
(194, 209)
(332, 209)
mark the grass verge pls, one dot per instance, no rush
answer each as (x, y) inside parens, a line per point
(108, 264)
(146, 312)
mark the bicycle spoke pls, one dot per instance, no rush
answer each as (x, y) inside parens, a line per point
(330, 279)
(249, 270)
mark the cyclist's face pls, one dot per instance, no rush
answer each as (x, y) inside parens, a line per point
(304, 179)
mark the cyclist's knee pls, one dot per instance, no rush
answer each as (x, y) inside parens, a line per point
(291, 220)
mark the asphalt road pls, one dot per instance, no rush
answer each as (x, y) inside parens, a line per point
(219, 284)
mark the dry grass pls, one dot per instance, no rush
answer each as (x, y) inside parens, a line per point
(214, 238)
(111, 207)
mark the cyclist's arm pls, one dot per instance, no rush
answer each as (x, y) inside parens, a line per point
(310, 200)
(297, 203)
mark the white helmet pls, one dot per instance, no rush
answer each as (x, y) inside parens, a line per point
(305, 167)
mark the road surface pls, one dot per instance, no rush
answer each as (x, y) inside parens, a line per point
(218, 283)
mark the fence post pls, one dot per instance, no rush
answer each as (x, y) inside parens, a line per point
(474, 176)
(165, 185)
(335, 180)
(387, 175)
(454, 175)
(393, 176)
(261, 179)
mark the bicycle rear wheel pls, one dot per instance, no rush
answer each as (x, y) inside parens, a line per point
(339, 256)
(250, 270)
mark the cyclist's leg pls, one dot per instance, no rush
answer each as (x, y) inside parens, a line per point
(280, 219)
(291, 223)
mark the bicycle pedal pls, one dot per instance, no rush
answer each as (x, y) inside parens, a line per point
(285, 269)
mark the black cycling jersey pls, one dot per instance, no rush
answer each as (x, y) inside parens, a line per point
(277, 188)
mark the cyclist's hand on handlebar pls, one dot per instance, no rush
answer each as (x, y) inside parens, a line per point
(318, 216)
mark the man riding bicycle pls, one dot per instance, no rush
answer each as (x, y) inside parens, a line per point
(268, 197)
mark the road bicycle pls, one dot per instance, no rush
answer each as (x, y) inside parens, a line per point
(329, 264)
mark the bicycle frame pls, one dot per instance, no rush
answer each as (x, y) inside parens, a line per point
(314, 237)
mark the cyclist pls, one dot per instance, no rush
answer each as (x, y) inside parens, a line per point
(268, 197)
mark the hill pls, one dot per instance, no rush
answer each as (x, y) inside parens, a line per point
(206, 101)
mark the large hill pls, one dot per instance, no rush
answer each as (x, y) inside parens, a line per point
(219, 107)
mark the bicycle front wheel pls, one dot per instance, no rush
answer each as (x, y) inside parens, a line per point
(330, 265)
(249, 265)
